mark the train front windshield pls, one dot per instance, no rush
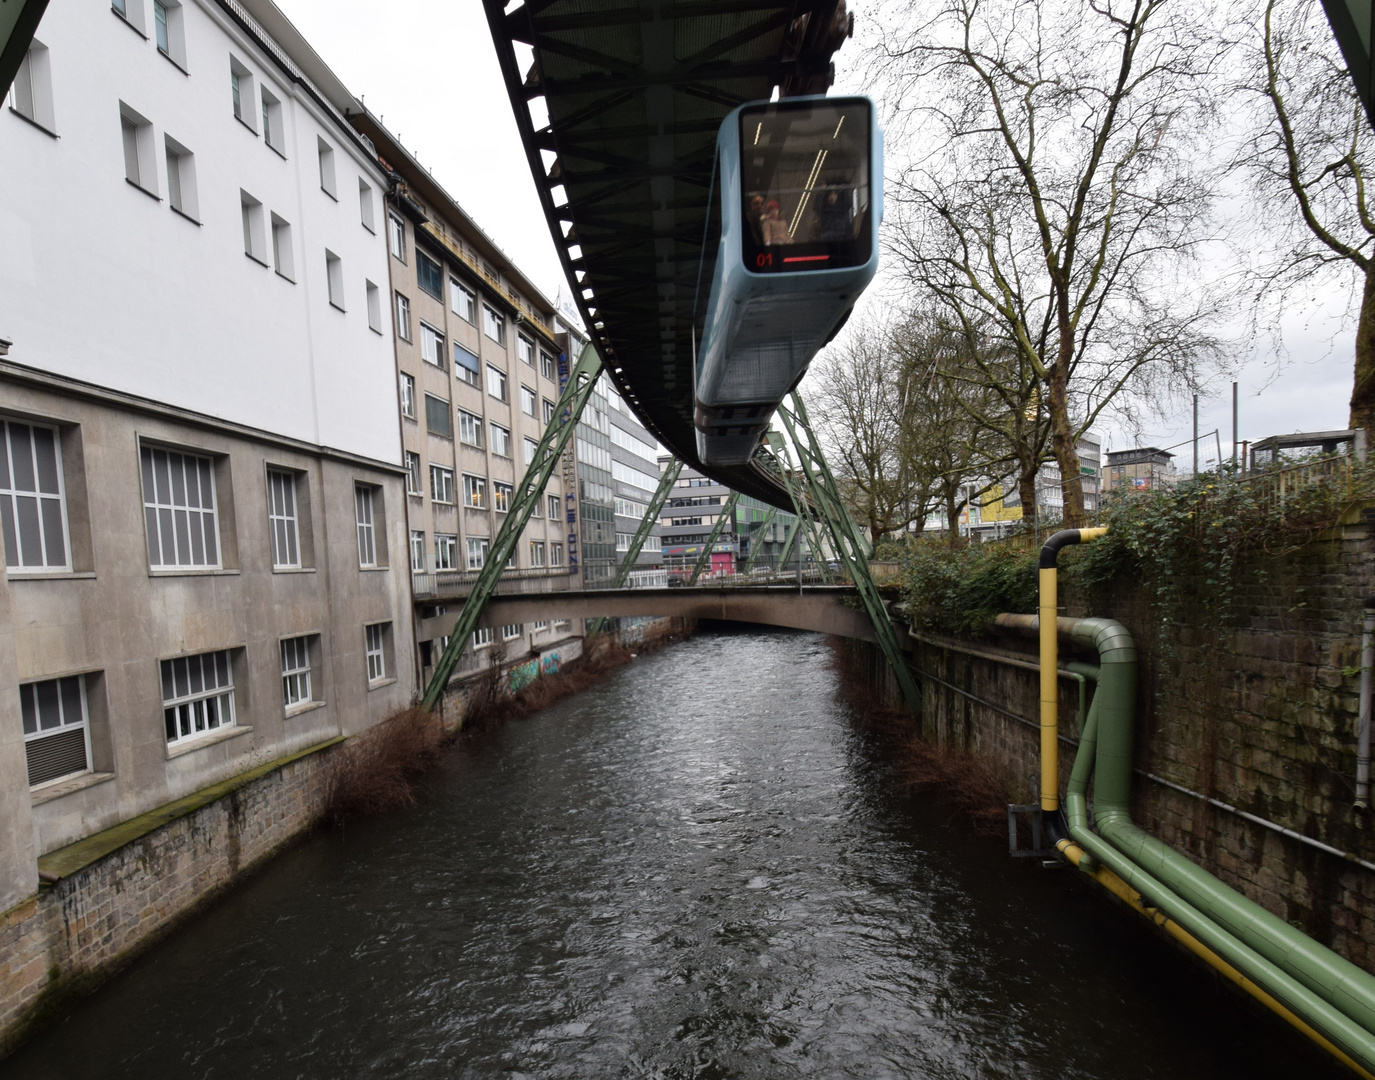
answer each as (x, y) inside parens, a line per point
(805, 185)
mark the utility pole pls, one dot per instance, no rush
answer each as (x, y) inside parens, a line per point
(1195, 438)
(1234, 426)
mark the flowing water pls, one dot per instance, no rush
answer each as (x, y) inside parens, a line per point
(699, 868)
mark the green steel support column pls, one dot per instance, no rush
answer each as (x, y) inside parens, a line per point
(18, 21)
(754, 548)
(656, 504)
(851, 549)
(727, 511)
(783, 462)
(523, 502)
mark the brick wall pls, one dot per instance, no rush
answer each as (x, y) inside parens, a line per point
(1258, 710)
(77, 932)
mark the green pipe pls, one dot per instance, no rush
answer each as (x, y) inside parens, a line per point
(1331, 993)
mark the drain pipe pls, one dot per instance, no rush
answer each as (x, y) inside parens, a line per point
(1327, 997)
(1048, 581)
(1363, 728)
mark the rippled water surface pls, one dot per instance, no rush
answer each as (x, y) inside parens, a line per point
(696, 869)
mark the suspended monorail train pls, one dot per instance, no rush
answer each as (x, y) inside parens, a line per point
(800, 184)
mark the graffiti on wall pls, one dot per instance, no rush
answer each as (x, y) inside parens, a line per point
(522, 675)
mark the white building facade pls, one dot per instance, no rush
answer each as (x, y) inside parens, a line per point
(202, 493)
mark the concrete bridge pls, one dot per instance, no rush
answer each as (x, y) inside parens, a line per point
(822, 608)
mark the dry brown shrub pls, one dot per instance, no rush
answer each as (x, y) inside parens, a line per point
(376, 771)
(961, 779)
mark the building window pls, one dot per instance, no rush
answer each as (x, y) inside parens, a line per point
(325, 153)
(474, 492)
(536, 552)
(283, 258)
(413, 485)
(511, 631)
(181, 179)
(139, 167)
(407, 396)
(272, 122)
(462, 300)
(197, 695)
(366, 209)
(623, 541)
(554, 508)
(548, 412)
(374, 306)
(441, 484)
(525, 349)
(531, 447)
(396, 236)
(241, 92)
(501, 441)
(445, 551)
(251, 216)
(653, 543)
(57, 736)
(555, 554)
(31, 93)
(438, 419)
(417, 551)
(296, 671)
(403, 318)
(431, 346)
(482, 638)
(367, 534)
(282, 520)
(469, 428)
(334, 276)
(428, 275)
(527, 401)
(540, 625)
(477, 551)
(179, 510)
(546, 365)
(33, 510)
(501, 496)
(493, 325)
(466, 365)
(496, 382)
(375, 639)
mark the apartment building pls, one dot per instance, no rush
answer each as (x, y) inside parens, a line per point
(618, 472)
(477, 358)
(690, 513)
(201, 477)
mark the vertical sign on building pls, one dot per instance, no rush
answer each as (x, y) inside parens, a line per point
(570, 474)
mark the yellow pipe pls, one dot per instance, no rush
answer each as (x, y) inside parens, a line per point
(1124, 892)
(1047, 614)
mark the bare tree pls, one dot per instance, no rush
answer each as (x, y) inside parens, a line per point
(856, 403)
(1055, 195)
(1309, 153)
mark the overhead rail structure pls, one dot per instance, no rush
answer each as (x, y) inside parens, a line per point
(634, 97)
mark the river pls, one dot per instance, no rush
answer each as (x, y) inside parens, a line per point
(698, 868)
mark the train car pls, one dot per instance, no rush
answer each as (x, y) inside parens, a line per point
(800, 184)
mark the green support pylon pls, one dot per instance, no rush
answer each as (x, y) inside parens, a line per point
(761, 527)
(727, 511)
(632, 555)
(523, 502)
(783, 463)
(852, 550)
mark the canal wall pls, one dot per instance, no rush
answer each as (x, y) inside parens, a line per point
(111, 895)
(1256, 710)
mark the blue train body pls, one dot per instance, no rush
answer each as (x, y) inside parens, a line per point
(800, 204)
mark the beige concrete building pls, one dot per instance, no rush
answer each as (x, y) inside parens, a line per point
(478, 353)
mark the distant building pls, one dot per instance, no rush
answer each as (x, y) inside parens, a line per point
(1140, 469)
(1001, 505)
(690, 513)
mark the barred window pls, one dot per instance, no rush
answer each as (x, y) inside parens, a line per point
(179, 510)
(197, 695)
(57, 737)
(295, 671)
(281, 518)
(32, 509)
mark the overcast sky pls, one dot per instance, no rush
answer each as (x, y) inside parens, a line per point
(429, 70)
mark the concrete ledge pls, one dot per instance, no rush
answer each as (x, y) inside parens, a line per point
(68, 860)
